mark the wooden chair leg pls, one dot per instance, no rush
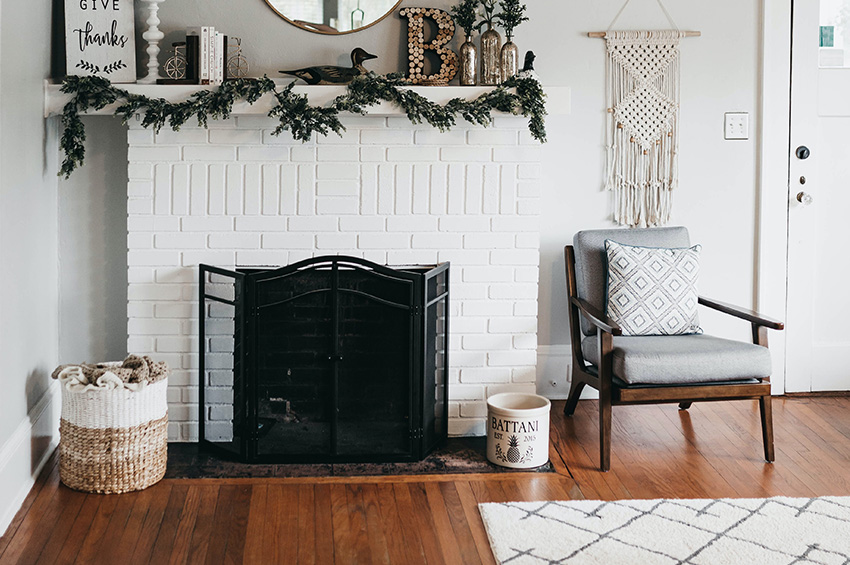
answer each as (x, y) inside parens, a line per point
(767, 427)
(575, 393)
(684, 405)
(604, 431)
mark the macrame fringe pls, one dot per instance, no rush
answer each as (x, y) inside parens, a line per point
(643, 124)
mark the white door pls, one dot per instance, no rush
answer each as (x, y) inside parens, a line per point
(818, 340)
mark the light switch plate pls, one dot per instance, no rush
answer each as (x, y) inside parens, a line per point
(736, 125)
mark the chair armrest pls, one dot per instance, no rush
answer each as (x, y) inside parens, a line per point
(596, 317)
(744, 314)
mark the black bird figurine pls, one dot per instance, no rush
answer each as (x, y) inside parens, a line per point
(529, 61)
(334, 75)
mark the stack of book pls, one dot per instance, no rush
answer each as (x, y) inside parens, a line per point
(206, 57)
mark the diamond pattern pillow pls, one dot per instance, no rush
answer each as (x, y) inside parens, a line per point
(653, 290)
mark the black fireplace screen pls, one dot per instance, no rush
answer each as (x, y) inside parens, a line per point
(332, 359)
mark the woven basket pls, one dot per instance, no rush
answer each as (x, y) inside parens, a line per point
(113, 440)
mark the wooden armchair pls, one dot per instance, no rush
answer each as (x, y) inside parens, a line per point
(656, 369)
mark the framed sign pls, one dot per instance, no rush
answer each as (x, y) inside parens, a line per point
(100, 39)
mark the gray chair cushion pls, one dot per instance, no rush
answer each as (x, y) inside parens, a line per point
(681, 359)
(592, 263)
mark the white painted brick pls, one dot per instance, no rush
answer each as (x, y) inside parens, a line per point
(412, 257)
(386, 186)
(288, 189)
(303, 154)
(262, 258)
(152, 326)
(336, 171)
(488, 241)
(515, 224)
(306, 190)
(510, 358)
(467, 427)
(529, 388)
(153, 258)
(140, 137)
(492, 136)
(464, 224)
(328, 205)
(528, 207)
(347, 137)
(486, 308)
(491, 198)
(236, 136)
(438, 188)
(210, 153)
(179, 189)
(338, 153)
(139, 274)
(140, 240)
(175, 310)
(140, 188)
(474, 189)
(362, 122)
(180, 241)
(257, 122)
(383, 241)
(468, 358)
(526, 274)
(337, 187)
(416, 154)
(437, 240)
(515, 257)
(198, 190)
(140, 171)
(466, 392)
(266, 154)
(456, 136)
(525, 341)
(206, 224)
(216, 197)
(235, 176)
(529, 171)
(412, 224)
(336, 241)
(173, 431)
(528, 189)
(154, 153)
(219, 258)
(244, 240)
(518, 291)
(373, 154)
(270, 189)
(455, 189)
(140, 310)
(403, 188)
(485, 375)
(386, 137)
(486, 342)
(313, 224)
(528, 241)
(473, 409)
(525, 308)
(507, 190)
(175, 344)
(363, 223)
(468, 325)
(524, 375)
(404, 123)
(488, 274)
(469, 291)
(189, 396)
(185, 136)
(262, 223)
(523, 154)
(466, 154)
(287, 241)
(140, 206)
(283, 139)
(454, 410)
(175, 275)
(513, 325)
(420, 198)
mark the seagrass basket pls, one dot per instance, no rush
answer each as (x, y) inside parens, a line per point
(113, 440)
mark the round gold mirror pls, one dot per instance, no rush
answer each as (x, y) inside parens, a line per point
(333, 17)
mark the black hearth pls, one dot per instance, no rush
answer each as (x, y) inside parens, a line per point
(332, 359)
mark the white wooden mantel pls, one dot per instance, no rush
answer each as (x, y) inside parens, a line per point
(557, 97)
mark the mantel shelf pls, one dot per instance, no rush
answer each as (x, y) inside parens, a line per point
(558, 97)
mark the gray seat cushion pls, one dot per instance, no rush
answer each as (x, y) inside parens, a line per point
(682, 359)
(592, 261)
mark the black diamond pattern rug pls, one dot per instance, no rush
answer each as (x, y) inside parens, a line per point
(767, 531)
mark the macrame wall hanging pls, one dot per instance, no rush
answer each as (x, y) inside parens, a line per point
(642, 95)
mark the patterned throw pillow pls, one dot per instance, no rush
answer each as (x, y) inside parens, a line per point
(653, 290)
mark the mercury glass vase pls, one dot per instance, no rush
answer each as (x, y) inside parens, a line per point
(509, 62)
(491, 52)
(468, 63)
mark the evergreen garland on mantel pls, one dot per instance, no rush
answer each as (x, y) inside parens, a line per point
(294, 112)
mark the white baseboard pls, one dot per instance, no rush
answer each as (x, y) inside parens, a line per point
(24, 454)
(553, 370)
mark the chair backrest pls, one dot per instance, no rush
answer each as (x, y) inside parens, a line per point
(592, 261)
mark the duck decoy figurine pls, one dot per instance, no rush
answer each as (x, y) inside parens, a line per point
(527, 70)
(334, 75)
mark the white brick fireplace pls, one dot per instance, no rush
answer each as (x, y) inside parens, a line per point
(387, 191)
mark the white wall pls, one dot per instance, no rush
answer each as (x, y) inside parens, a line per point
(29, 334)
(717, 195)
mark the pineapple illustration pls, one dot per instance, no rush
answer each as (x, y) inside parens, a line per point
(513, 450)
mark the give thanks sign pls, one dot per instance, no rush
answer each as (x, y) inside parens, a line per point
(100, 39)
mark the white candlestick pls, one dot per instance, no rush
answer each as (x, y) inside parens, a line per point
(153, 36)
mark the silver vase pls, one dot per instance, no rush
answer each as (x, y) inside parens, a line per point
(509, 60)
(491, 52)
(468, 63)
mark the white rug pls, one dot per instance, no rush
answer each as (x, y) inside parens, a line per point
(695, 532)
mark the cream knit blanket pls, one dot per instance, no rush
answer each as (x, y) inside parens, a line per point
(134, 373)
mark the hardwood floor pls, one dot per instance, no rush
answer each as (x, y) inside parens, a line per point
(713, 450)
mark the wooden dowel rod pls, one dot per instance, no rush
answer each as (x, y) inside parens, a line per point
(603, 33)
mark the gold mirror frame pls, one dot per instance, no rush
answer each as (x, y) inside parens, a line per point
(312, 30)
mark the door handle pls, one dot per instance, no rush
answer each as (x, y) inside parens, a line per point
(802, 152)
(804, 198)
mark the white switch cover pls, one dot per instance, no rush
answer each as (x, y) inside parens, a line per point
(736, 125)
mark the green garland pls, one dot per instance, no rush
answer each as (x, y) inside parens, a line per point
(293, 111)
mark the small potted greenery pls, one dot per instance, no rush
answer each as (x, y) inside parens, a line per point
(512, 14)
(491, 45)
(465, 13)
